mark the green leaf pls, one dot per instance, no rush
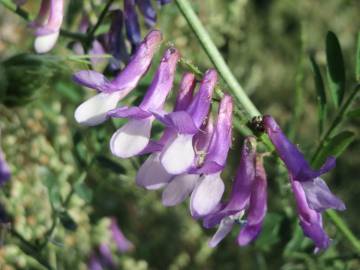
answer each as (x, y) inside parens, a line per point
(110, 164)
(353, 113)
(50, 181)
(358, 59)
(320, 94)
(336, 68)
(270, 231)
(335, 146)
(83, 191)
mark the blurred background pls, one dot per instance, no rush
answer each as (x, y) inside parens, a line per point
(57, 164)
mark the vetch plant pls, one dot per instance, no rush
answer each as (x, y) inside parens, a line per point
(238, 168)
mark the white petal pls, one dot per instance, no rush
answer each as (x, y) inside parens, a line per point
(179, 189)
(45, 43)
(206, 195)
(94, 110)
(132, 138)
(178, 155)
(152, 174)
(225, 227)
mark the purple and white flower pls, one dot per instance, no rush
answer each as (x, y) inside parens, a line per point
(47, 25)
(248, 196)
(178, 154)
(132, 138)
(312, 194)
(152, 175)
(95, 110)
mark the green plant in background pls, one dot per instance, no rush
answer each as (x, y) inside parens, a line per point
(51, 157)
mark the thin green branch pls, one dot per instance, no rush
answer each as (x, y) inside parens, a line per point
(337, 121)
(100, 20)
(30, 249)
(215, 57)
(336, 219)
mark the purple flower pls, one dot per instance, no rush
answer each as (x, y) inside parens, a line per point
(47, 25)
(134, 136)
(4, 170)
(248, 195)
(178, 154)
(101, 258)
(94, 263)
(148, 11)
(203, 180)
(181, 186)
(97, 47)
(317, 193)
(152, 175)
(119, 238)
(114, 41)
(132, 23)
(210, 187)
(310, 220)
(312, 195)
(94, 110)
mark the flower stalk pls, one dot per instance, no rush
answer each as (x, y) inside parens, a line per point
(216, 58)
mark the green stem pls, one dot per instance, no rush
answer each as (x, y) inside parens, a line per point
(30, 249)
(334, 216)
(344, 229)
(337, 120)
(23, 14)
(100, 20)
(215, 57)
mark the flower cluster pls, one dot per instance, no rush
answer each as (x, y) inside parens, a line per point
(189, 157)
(102, 258)
(47, 26)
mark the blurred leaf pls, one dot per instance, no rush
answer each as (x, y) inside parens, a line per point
(335, 146)
(270, 231)
(358, 59)
(69, 91)
(83, 191)
(3, 83)
(80, 152)
(50, 181)
(67, 221)
(320, 94)
(336, 68)
(110, 164)
(297, 242)
(354, 113)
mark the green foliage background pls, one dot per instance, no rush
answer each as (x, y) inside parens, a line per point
(267, 45)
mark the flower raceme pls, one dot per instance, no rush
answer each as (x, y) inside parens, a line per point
(188, 159)
(47, 25)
